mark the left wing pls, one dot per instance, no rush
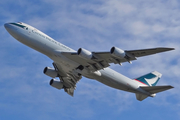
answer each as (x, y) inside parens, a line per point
(94, 61)
(69, 79)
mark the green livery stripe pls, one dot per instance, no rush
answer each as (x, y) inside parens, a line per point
(148, 76)
(22, 26)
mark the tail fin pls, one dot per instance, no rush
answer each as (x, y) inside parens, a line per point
(147, 83)
(149, 79)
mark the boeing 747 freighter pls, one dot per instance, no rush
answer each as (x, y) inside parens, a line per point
(70, 65)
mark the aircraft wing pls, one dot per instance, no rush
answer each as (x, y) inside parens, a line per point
(98, 60)
(69, 79)
(145, 52)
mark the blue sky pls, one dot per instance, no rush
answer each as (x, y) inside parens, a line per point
(96, 25)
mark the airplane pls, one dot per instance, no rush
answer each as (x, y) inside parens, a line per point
(70, 65)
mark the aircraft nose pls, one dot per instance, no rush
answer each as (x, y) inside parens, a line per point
(6, 25)
(11, 29)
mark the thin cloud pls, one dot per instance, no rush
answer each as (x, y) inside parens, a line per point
(96, 26)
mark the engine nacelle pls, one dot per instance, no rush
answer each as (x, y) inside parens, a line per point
(84, 53)
(51, 72)
(117, 52)
(56, 84)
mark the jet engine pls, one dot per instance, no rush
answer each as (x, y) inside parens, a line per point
(51, 72)
(56, 84)
(117, 52)
(84, 53)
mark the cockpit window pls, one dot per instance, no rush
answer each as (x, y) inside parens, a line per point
(16, 24)
(20, 22)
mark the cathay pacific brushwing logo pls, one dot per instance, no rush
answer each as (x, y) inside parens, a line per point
(152, 80)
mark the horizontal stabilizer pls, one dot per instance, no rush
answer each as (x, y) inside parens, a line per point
(152, 90)
(156, 89)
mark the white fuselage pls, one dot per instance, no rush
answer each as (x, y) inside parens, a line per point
(41, 42)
